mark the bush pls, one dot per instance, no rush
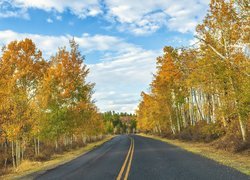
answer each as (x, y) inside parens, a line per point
(232, 141)
(202, 132)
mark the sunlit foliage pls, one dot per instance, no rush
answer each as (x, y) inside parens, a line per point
(203, 93)
(44, 101)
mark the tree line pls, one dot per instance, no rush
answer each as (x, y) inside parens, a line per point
(45, 105)
(119, 123)
(202, 92)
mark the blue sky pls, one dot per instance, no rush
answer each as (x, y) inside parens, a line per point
(120, 39)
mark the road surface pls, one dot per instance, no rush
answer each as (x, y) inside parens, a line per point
(140, 158)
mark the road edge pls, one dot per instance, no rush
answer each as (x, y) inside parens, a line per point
(201, 153)
(31, 174)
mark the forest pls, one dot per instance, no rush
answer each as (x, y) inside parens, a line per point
(45, 105)
(201, 93)
(118, 123)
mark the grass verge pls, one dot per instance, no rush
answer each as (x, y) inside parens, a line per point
(239, 161)
(28, 167)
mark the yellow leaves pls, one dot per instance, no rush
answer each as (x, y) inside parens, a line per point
(39, 97)
(11, 130)
(44, 100)
(146, 116)
(207, 84)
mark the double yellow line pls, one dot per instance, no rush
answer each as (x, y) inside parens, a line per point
(127, 162)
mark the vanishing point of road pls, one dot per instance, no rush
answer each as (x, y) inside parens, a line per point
(140, 158)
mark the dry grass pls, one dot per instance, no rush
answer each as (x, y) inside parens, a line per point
(239, 161)
(28, 167)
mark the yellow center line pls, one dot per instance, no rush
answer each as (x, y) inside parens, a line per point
(130, 160)
(125, 162)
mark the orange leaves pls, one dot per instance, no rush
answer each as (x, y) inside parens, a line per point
(19, 61)
(44, 98)
(19, 71)
(169, 70)
(206, 83)
(65, 96)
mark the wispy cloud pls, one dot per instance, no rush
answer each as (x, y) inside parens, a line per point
(49, 20)
(148, 16)
(80, 8)
(59, 18)
(87, 43)
(135, 16)
(9, 10)
(120, 80)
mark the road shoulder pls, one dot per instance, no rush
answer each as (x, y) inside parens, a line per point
(241, 162)
(57, 160)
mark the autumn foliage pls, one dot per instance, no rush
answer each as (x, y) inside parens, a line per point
(118, 123)
(202, 93)
(44, 104)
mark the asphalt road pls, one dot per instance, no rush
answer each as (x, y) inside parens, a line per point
(140, 158)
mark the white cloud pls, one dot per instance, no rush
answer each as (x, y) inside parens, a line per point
(48, 44)
(123, 72)
(7, 10)
(77, 7)
(49, 20)
(120, 80)
(136, 16)
(87, 43)
(148, 16)
(59, 18)
(146, 25)
(120, 102)
(80, 8)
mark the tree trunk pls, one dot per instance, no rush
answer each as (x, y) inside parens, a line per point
(56, 144)
(172, 125)
(178, 119)
(35, 146)
(38, 146)
(198, 107)
(223, 114)
(213, 109)
(18, 153)
(13, 154)
(83, 139)
(6, 153)
(183, 116)
(191, 109)
(22, 150)
(243, 127)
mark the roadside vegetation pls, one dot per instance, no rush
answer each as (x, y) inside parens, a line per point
(29, 168)
(203, 93)
(45, 105)
(199, 94)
